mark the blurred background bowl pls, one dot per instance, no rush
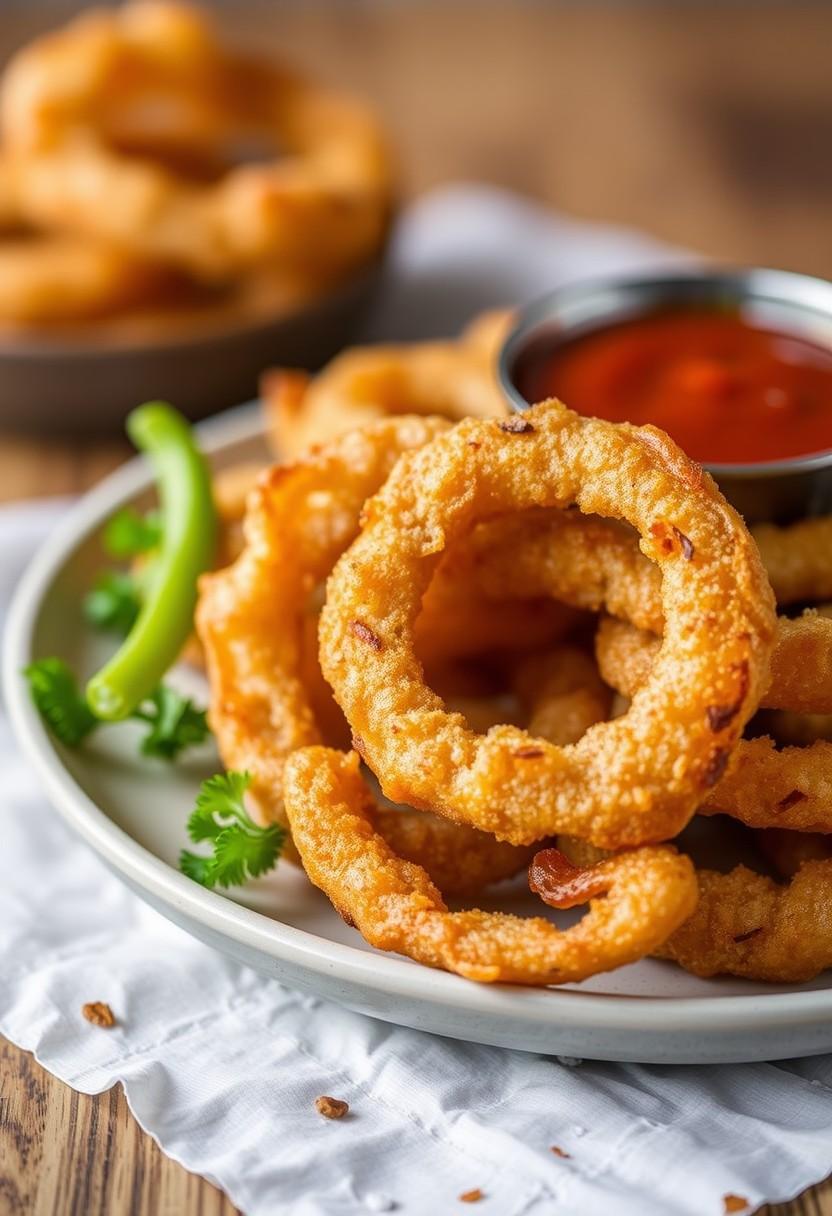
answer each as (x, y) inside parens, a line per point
(778, 300)
(84, 380)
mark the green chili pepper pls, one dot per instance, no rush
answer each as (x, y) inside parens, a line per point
(186, 549)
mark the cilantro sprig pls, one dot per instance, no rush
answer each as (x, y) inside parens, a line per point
(241, 849)
(116, 597)
(174, 721)
(114, 602)
(129, 534)
(56, 696)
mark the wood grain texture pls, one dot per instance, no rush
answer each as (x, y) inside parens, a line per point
(707, 124)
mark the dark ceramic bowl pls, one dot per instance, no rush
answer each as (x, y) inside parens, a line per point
(86, 381)
(774, 299)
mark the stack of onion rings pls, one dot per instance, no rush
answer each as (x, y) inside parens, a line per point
(491, 533)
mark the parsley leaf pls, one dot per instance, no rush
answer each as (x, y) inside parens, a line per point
(175, 723)
(241, 848)
(114, 602)
(196, 867)
(221, 795)
(57, 697)
(127, 534)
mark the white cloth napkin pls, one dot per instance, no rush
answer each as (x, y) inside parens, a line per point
(222, 1066)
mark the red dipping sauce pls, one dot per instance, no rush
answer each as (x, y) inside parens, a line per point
(725, 390)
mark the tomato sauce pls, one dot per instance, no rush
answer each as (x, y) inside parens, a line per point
(726, 391)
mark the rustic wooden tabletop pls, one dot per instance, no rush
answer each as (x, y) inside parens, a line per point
(707, 124)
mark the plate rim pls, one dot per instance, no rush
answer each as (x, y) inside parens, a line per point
(382, 973)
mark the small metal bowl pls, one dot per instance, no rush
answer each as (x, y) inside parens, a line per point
(779, 490)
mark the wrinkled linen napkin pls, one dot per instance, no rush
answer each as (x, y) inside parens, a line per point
(222, 1065)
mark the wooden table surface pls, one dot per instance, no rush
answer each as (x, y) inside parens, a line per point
(709, 125)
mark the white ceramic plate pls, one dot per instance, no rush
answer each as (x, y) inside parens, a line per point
(133, 812)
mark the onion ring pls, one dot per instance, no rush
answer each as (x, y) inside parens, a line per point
(751, 926)
(801, 662)
(796, 558)
(252, 619)
(637, 897)
(629, 781)
(69, 106)
(562, 693)
(451, 379)
(763, 787)
(597, 564)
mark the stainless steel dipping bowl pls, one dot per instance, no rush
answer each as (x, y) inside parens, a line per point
(779, 490)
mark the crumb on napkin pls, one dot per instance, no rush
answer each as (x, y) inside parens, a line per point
(99, 1013)
(331, 1108)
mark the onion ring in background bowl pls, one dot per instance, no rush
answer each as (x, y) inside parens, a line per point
(453, 379)
(629, 781)
(48, 277)
(70, 102)
(637, 897)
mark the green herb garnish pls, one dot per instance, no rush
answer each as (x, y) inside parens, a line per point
(128, 533)
(175, 722)
(59, 701)
(114, 602)
(185, 549)
(241, 848)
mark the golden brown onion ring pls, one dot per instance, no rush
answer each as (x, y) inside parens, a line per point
(254, 622)
(637, 898)
(451, 379)
(801, 662)
(751, 926)
(597, 563)
(629, 781)
(251, 616)
(763, 787)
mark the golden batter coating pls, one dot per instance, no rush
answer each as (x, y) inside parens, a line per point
(751, 926)
(255, 623)
(801, 662)
(452, 379)
(637, 898)
(629, 781)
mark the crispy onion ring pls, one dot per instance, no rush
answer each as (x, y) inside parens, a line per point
(452, 379)
(597, 563)
(629, 781)
(751, 926)
(801, 662)
(76, 105)
(637, 897)
(48, 277)
(251, 616)
(52, 278)
(253, 620)
(763, 787)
